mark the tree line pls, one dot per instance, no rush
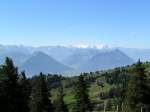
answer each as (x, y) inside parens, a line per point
(21, 94)
(18, 94)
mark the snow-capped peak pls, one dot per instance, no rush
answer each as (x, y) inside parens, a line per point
(86, 45)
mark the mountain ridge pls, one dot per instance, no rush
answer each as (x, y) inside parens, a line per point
(41, 62)
(106, 60)
(67, 56)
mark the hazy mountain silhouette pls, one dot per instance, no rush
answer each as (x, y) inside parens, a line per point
(57, 59)
(106, 60)
(41, 62)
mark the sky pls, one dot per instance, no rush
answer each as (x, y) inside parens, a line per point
(120, 23)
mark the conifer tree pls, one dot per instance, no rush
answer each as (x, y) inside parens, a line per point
(82, 97)
(59, 103)
(138, 92)
(41, 98)
(25, 89)
(9, 90)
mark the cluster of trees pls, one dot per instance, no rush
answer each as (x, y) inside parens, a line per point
(20, 94)
(138, 91)
(14, 90)
(131, 88)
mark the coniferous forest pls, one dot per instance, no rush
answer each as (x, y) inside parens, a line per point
(123, 89)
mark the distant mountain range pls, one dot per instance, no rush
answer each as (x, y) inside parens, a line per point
(70, 60)
(136, 54)
(41, 62)
(106, 60)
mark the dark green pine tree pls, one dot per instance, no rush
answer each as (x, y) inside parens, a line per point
(3, 93)
(81, 96)
(138, 92)
(40, 97)
(25, 89)
(59, 103)
(9, 88)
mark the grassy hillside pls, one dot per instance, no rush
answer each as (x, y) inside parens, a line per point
(111, 79)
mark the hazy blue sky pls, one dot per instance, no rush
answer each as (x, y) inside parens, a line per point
(64, 22)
